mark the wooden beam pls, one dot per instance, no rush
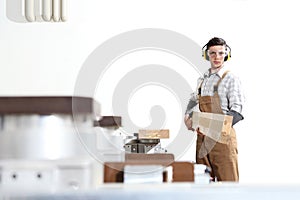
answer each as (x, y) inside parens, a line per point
(153, 134)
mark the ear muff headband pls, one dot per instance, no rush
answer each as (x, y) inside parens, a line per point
(206, 57)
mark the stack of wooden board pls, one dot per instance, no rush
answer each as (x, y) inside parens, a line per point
(215, 126)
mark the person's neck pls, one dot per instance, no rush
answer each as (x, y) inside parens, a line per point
(215, 70)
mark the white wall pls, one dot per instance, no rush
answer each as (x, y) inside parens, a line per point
(45, 58)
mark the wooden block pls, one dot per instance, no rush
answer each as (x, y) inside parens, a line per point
(153, 134)
(215, 126)
(182, 171)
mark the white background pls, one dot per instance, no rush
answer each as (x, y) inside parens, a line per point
(45, 58)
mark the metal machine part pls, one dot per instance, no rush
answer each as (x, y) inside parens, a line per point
(47, 143)
(144, 145)
(45, 127)
(141, 145)
(46, 175)
(44, 137)
(110, 140)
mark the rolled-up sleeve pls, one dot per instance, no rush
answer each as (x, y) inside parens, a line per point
(235, 95)
(194, 100)
(191, 105)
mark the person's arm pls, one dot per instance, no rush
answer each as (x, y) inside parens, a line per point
(188, 113)
(188, 122)
(190, 107)
(236, 100)
(193, 101)
(236, 116)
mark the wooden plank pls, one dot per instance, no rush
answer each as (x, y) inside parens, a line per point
(215, 126)
(153, 134)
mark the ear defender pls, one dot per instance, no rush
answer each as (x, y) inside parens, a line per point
(204, 52)
(228, 56)
(206, 57)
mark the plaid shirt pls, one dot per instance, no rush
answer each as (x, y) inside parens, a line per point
(229, 90)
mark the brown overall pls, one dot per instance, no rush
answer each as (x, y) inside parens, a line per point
(221, 158)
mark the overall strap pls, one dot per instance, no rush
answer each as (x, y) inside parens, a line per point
(218, 83)
(199, 88)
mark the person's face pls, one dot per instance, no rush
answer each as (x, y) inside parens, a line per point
(216, 56)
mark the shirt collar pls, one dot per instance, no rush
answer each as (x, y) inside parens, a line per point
(219, 73)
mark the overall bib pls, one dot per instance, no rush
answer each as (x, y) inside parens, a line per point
(221, 158)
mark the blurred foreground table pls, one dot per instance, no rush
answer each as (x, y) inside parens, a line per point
(174, 191)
